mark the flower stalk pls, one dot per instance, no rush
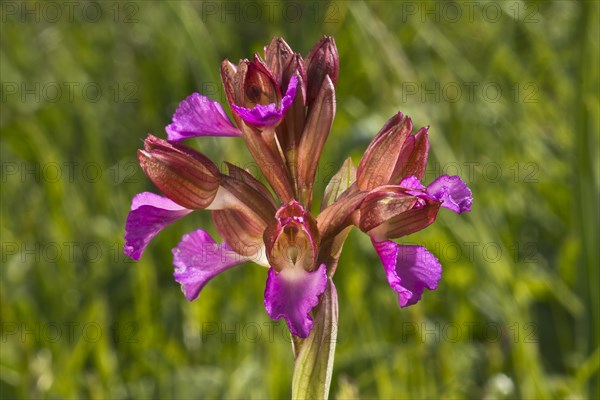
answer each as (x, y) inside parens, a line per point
(314, 356)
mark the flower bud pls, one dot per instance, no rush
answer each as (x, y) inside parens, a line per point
(295, 66)
(321, 61)
(278, 55)
(259, 85)
(184, 175)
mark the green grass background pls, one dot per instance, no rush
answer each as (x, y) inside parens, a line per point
(517, 311)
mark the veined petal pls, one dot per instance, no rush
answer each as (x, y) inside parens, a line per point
(316, 130)
(270, 114)
(198, 259)
(295, 67)
(277, 57)
(243, 233)
(248, 199)
(186, 176)
(412, 159)
(289, 131)
(198, 115)
(264, 149)
(452, 192)
(292, 294)
(247, 178)
(149, 214)
(381, 206)
(409, 270)
(413, 220)
(378, 163)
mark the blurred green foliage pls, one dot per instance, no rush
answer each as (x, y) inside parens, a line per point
(511, 91)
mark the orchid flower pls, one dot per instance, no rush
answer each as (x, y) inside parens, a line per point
(283, 108)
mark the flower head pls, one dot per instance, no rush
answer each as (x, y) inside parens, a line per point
(283, 108)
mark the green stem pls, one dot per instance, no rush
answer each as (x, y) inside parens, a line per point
(314, 355)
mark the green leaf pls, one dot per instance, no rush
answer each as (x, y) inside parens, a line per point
(339, 182)
(315, 354)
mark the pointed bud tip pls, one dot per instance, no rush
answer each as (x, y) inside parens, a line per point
(322, 60)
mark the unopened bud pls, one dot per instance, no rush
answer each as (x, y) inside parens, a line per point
(322, 60)
(277, 57)
(184, 175)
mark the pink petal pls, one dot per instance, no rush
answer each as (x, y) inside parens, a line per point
(149, 214)
(412, 159)
(409, 270)
(271, 114)
(198, 115)
(411, 182)
(452, 192)
(198, 258)
(292, 294)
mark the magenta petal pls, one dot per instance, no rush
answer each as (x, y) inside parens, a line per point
(292, 294)
(452, 192)
(290, 94)
(198, 115)
(149, 214)
(270, 114)
(260, 115)
(413, 186)
(411, 182)
(409, 270)
(198, 258)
